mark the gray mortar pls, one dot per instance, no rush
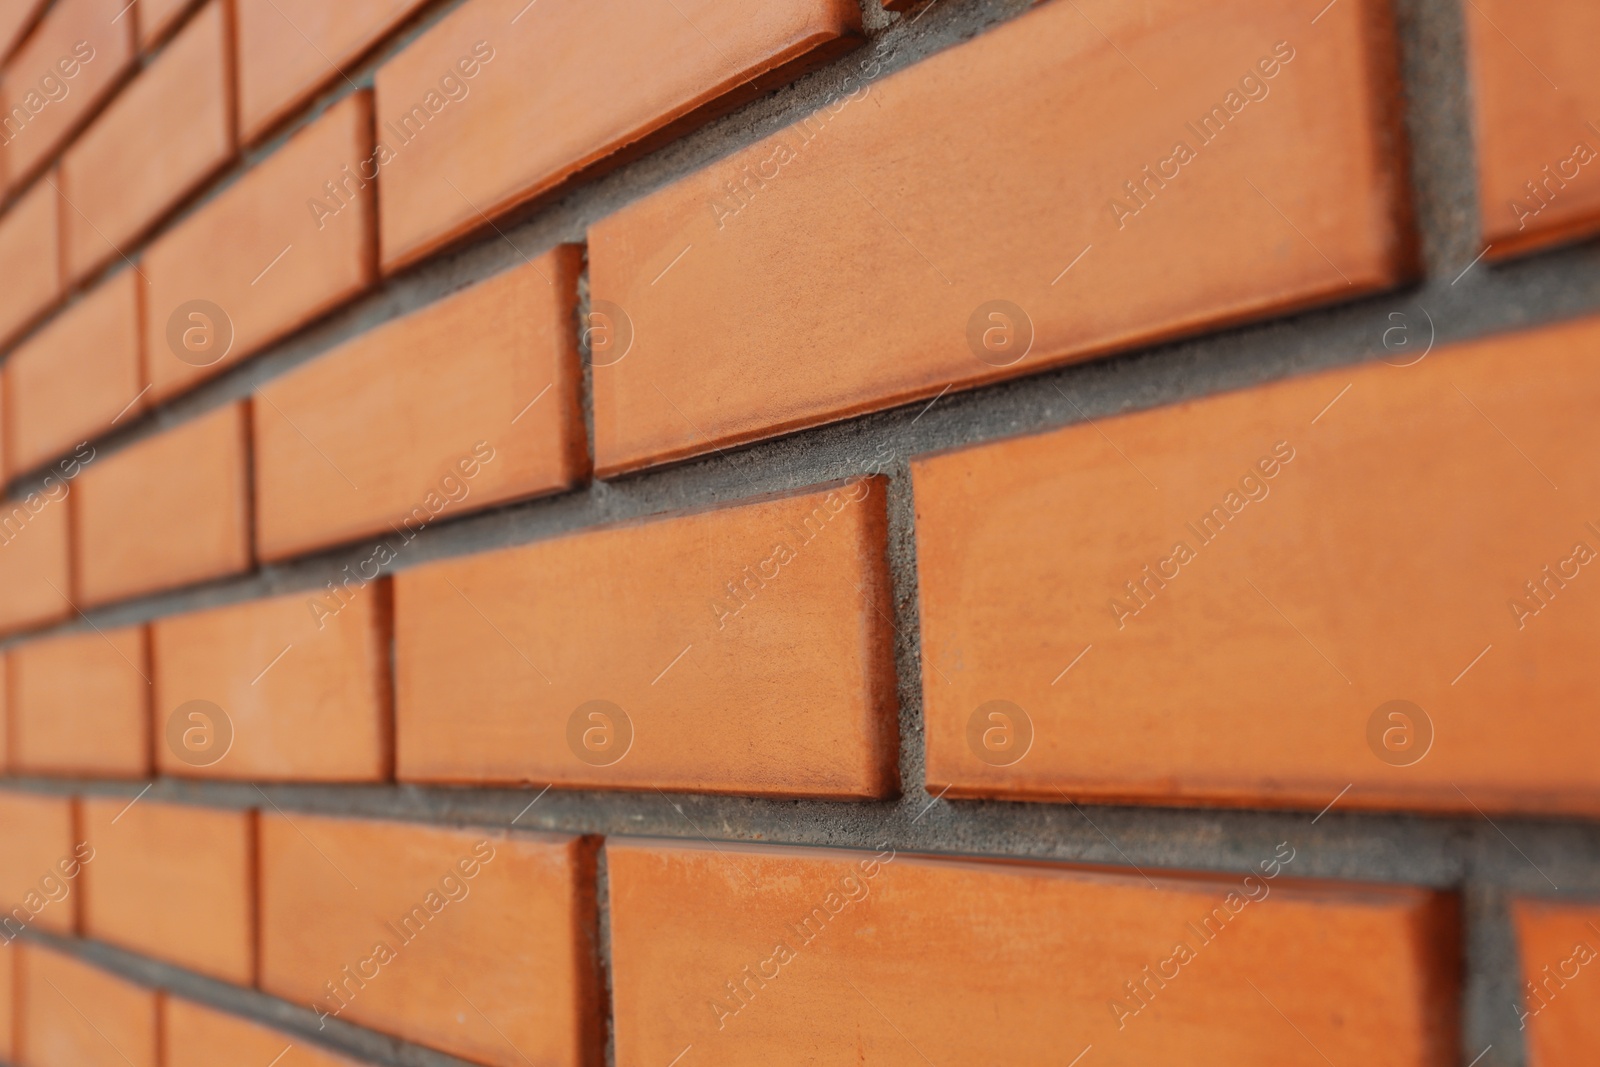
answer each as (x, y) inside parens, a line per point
(1468, 855)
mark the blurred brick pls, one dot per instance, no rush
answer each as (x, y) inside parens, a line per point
(505, 99)
(477, 943)
(1325, 571)
(289, 49)
(80, 705)
(34, 576)
(167, 132)
(73, 1013)
(71, 379)
(29, 259)
(1559, 948)
(82, 47)
(479, 406)
(172, 881)
(171, 510)
(197, 1036)
(156, 17)
(1536, 96)
(15, 18)
(305, 691)
(959, 192)
(8, 1003)
(5, 712)
(42, 865)
(773, 949)
(260, 254)
(744, 649)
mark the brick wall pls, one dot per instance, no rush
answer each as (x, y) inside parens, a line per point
(806, 531)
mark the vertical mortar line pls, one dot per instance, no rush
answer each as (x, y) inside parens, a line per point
(602, 906)
(902, 562)
(1489, 978)
(580, 312)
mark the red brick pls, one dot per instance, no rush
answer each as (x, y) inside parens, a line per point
(499, 968)
(168, 511)
(289, 49)
(256, 252)
(15, 18)
(305, 691)
(981, 175)
(1536, 95)
(29, 259)
(1425, 492)
(174, 882)
(37, 838)
(33, 560)
(197, 1036)
(1559, 947)
(69, 1012)
(1026, 962)
(787, 689)
(80, 704)
(156, 17)
(68, 382)
(544, 100)
(167, 132)
(463, 420)
(90, 72)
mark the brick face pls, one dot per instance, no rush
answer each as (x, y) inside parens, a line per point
(70, 1012)
(89, 71)
(136, 527)
(156, 17)
(1536, 99)
(228, 252)
(1266, 542)
(306, 696)
(739, 301)
(288, 49)
(29, 257)
(162, 136)
(696, 635)
(75, 376)
(765, 944)
(1558, 945)
(197, 1036)
(477, 943)
(15, 16)
(80, 704)
(33, 560)
(478, 405)
(172, 881)
(37, 890)
(514, 99)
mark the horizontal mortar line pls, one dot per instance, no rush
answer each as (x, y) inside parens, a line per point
(293, 1019)
(1434, 850)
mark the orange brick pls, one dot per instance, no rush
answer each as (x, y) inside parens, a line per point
(38, 839)
(80, 704)
(305, 690)
(8, 1002)
(170, 510)
(61, 73)
(33, 559)
(832, 949)
(462, 422)
(1252, 619)
(197, 1036)
(5, 712)
(156, 17)
(174, 882)
(289, 49)
(1536, 94)
(501, 112)
(478, 943)
(170, 130)
(70, 1012)
(70, 380)
(29, 251)
(258, 254)
(1559, 946)
(15, 18)
(963, 192)
(657, 654)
